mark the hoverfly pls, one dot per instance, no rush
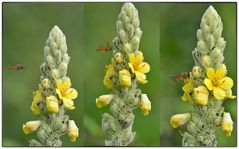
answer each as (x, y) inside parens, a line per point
(17, 67)
(185, 76)
(106, 48)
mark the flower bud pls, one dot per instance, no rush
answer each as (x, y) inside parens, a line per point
(206, 61)
(31, 126)
(73, 131)
(62, 68)
(118, 57)
(135, 43)
(145, 104)
(45, 83)
(50, 60)
(123, 36)
(227, 124)
(104, 100)
(55, 73)
(125, 78)
(179, 119)
(201, 95)
(52, 104)
(196, 71)
(127, 47)
(215, 53)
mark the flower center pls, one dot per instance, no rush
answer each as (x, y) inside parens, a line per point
(63, 91)
(215, 81)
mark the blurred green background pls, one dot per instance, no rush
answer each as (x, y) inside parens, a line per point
(178, 25)
(86, 26)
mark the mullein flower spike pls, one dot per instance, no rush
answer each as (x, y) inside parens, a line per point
(54, 96)
(208, 87)
(126, 70)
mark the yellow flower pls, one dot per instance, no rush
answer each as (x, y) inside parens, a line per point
(125, 78)
(188, 89)
(52, 104)
(227, 124)
(66, 94)
(217, 82)
(201, 95)
(73, 131)
(110, 72)
(138, 67)
(104, 100)
(145, 104)
(31, 126)
(179, 119)
(37, 98)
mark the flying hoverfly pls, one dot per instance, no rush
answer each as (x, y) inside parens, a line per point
(106, 48)
(185, 76)
(17, 67)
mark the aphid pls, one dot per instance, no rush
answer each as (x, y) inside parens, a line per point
(185, 76)
(17, 67)
(106, 48)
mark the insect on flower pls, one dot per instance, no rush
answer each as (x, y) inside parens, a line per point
(106, 48)
(185, 76)
(17, 67)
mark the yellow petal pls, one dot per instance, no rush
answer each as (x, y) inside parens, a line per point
(188, 87)
(58, 92)
(229, 94)
(35, 108)
(186, 97)
(131, 67)
(69, 104)
(108, 83)
(67, 83)
(132, 58)
(227, 83)
(221, 72)
(71, 93)
(209, 84)
(139, 58)
(219, 93)
(59, 84)
(211, 73)
(141, 77)
(144, 67)
(110, 70)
